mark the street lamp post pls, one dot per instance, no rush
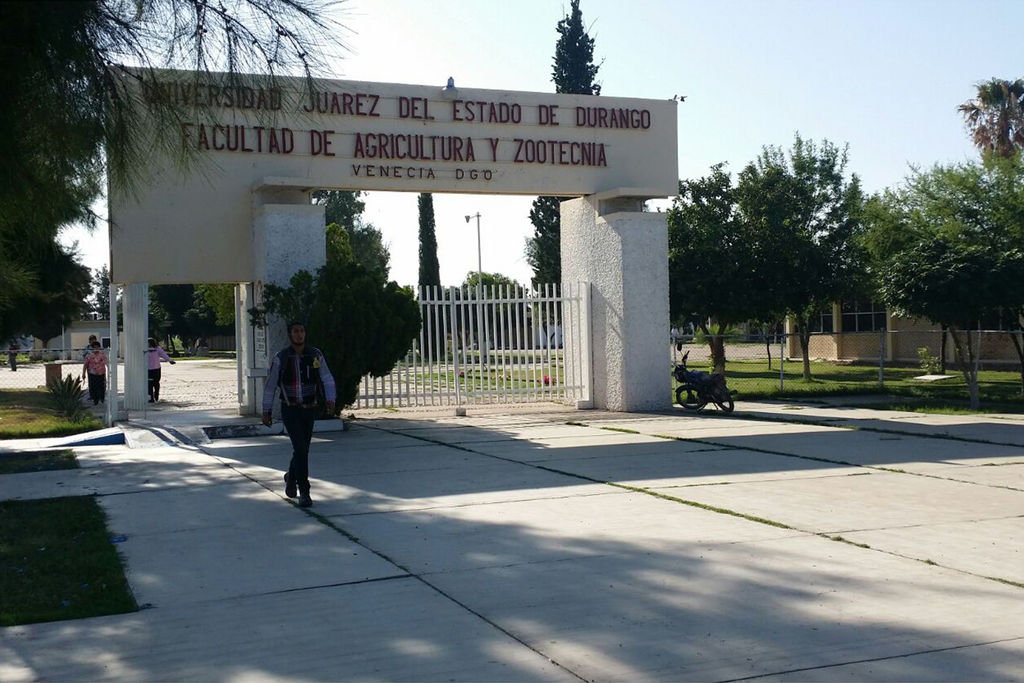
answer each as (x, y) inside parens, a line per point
(481, 323)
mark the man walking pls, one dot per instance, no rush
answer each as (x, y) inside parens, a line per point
(300, 371)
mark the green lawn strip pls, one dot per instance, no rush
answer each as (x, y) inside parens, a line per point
(26, 414)
(1015, 584)
(57, 562)
(37, 461)
(624, 430)
(840, 539)
(702, 506)
(1000, 390)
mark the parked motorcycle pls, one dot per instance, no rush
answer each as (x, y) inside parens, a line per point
(696, 388)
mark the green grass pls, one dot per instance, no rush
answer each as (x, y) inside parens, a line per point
(57, 562)
(26, 414)
(1000, 390)
(472, 378)
(38, 461)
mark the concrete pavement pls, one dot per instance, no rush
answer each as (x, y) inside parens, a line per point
(838, 544)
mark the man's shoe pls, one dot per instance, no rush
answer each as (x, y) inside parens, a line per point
(305, 501)
(289, 485)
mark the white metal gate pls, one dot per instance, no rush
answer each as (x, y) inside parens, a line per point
(495, 344)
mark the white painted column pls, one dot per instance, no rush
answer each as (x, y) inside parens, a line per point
(251, 350)
(289, 235)
(244, 395)
(623, 253)
(113, 402)
(135, 303)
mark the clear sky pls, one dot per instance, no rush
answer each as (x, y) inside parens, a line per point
(884, 76)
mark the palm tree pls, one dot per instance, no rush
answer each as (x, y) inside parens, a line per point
(995, 117)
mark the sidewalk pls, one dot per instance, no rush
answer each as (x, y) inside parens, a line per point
(840, 544)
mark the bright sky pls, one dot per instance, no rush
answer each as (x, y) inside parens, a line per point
(884, 76)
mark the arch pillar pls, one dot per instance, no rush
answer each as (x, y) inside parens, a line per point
(608, 241)
(135, 304)
(288, 235)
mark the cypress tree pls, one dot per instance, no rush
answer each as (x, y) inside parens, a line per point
(430, 271)
(573, 72)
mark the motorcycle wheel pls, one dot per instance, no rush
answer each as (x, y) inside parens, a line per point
(725, 404)
(687, 398)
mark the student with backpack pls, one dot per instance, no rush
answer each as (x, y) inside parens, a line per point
(301, 373)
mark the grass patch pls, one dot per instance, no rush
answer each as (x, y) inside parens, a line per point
(840, 539)
(26, 414)
(939, 407)
(1015, 584)
(1000, 391)
(57, 562)
(620, 429)
(38, 461)
(702, 506)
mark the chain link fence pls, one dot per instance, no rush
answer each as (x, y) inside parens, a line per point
(893, 362)
(901, 362)
(32, 368)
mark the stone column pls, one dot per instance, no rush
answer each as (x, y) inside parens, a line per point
(289, 235)
(242, 351)
(623, 252)
(135, 303)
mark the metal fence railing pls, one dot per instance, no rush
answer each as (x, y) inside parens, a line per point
(30, 368)
(520, 347)
(890, 361)
(502, 344)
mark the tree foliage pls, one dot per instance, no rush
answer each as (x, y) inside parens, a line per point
(805, 215)
(958, 256)
(344, 209)
(168, 304)
(487, 280)
(573, 69)
(99, 301)
(995, 116)
(70, 113)
(340, 206)
(544, 249)
(430, 269)
(573, 72)
(220, 299)
(58, 295)
(183, 311)
(718, 273)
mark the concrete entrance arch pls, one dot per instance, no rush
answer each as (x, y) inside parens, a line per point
(244, 215)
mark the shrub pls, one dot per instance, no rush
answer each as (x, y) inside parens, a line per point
(930, 364)
(66, 397)
(362, 324)
(729, 333)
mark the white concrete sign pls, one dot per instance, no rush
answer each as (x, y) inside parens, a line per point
(197, 226)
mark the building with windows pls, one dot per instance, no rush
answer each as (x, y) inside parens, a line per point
(864, 331)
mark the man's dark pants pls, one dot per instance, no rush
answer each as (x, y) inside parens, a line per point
(298, 422)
